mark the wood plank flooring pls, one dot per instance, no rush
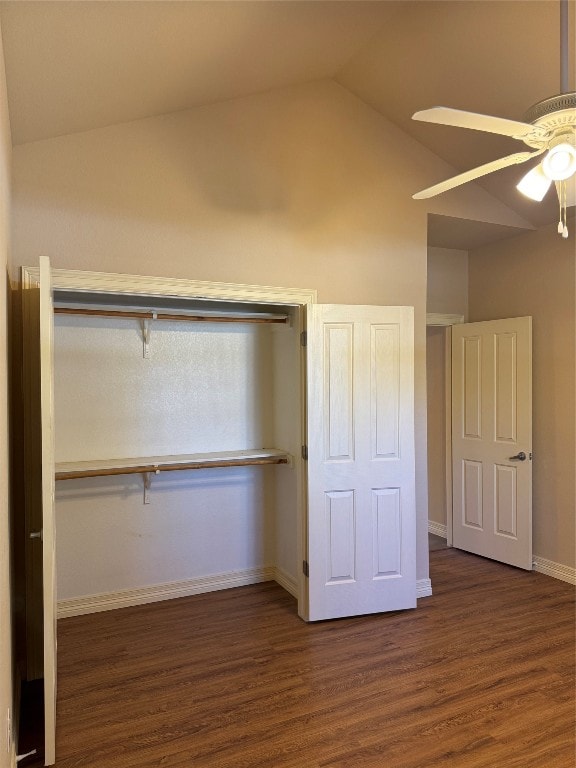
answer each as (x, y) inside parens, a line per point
(481, 675)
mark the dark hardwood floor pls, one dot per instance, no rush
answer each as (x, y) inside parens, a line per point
(481, 675)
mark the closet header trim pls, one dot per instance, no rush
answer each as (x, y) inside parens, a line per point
(103, 282)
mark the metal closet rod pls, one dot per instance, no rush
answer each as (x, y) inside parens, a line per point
(173, 467)
(150, 315)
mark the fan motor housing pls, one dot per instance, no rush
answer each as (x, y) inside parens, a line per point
(555, 112)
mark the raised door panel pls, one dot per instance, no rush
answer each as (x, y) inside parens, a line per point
(472, 387)
(385, 390)
(505, 387)
(387, 532)
(339, 391)
(340, 536)
(472, 494)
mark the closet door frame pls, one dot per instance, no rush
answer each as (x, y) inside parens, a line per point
(101, 283)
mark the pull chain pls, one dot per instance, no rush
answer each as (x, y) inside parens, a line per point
(563, 204)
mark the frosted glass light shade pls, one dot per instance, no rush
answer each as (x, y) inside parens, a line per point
(560, 162)
(534, 184)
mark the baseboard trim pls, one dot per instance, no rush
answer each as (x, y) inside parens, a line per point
(109, 601)
(423, 588)
(556, 570)
(125, 598)
(286, 581)
(438, 529)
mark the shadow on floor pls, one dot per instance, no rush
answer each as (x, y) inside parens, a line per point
(436, 542)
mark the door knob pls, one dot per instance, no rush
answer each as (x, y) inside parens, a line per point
(519, 457)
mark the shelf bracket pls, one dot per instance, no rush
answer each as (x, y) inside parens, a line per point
(146, 328)
(147, 480)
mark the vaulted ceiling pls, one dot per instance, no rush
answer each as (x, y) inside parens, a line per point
(74, 66)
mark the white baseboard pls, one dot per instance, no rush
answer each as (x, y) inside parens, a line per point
(286, 581)
(423, 588)
(108, 601)
(77, 606)
(438, 529)
(556, 570)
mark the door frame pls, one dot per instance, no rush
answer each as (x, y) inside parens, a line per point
(447, 321)
(85, 282)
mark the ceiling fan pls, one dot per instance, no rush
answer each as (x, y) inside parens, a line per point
(549, 127)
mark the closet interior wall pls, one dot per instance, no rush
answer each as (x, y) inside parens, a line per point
(196, 387)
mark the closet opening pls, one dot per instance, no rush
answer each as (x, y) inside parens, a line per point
(177, 430)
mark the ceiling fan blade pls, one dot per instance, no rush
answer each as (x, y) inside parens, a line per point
(475, 173)
(477, 122)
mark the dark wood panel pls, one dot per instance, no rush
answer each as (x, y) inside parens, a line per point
(480, 675)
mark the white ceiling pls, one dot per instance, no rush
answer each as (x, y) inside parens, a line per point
(76, 65)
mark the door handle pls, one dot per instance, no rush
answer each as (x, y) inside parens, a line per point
(519, 457)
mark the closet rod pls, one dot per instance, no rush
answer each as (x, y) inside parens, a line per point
(153, 468)
(165, 316)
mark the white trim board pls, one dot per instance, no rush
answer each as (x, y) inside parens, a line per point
(109, 282)
(423, 588)
(556, 570)
(438, 529)
(107, 601)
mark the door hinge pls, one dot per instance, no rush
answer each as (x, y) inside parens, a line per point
(305, 568)
(305, 452)
(304, 338)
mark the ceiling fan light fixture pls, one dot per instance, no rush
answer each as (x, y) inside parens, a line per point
(534, 184)
(560, 162)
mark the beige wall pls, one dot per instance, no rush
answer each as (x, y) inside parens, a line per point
(5, 610)
(534, 274)
(447, 289)
(303, 187)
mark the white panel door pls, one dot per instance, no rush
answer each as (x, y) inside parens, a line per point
(361, 493)
(48, 517)
(492, 439)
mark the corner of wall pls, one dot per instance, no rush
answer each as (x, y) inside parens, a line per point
(7, 719)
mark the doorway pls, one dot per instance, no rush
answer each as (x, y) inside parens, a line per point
(438, 392)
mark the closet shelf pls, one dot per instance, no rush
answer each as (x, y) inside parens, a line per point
(152, 464)
(191, 318)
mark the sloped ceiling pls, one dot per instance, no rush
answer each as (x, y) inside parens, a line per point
(73, 66)
(497, 58)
